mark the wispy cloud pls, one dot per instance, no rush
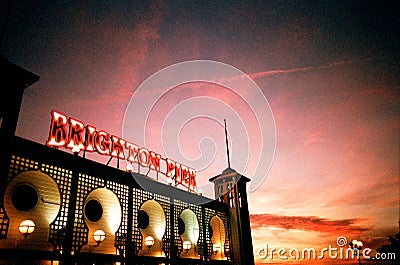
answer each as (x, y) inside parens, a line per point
(309, 68)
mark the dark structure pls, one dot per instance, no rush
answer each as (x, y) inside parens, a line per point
(230, 189)
(60, 208)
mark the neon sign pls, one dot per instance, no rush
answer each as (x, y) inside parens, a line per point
(71, 133)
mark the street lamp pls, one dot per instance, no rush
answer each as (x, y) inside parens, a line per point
(356, 246)
(26, 227)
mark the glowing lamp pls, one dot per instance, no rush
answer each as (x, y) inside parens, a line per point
(99, 236)
(76, 150)
(169, 181)
(355, 244)
(216, 248)
(149, 242)
(129, 167)
(187, 245)
(26, 227)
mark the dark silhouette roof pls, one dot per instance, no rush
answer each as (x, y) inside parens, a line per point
(229, 172)
(11, 73)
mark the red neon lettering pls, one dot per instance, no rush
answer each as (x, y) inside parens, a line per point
(102, 143)
(76, 130)
(185, 176)
(58, 130)
(192, 178)
(155, 161)
(132, 151)
(89, 139)
(143, 157)
(178, 176)
(170, 168)
(117, 148)
(90, 132)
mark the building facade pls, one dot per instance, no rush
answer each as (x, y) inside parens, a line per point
(60, 208)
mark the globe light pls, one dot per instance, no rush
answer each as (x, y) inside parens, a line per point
(129, 167)
(26, 227)
(99, 236)
(355, 244)
(216, 248)
(187, 245)
(149, 242)
(76, 150)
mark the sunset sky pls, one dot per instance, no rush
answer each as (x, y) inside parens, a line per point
(328, 71)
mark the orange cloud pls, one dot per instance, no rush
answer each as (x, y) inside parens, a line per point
(308, 223)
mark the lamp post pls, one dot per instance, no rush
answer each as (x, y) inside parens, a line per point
(357, 247)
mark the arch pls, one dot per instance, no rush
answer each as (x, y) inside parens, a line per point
(31, 195)
(218, 237)
(190, 231)
(102, 211)
(152, 228)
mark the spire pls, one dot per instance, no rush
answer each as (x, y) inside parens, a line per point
(227, 145)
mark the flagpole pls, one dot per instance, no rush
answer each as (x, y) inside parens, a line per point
(227, 145)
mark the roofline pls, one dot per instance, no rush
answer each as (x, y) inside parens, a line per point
(246, 179)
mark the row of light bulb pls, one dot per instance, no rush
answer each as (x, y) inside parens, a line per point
(27, 227)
